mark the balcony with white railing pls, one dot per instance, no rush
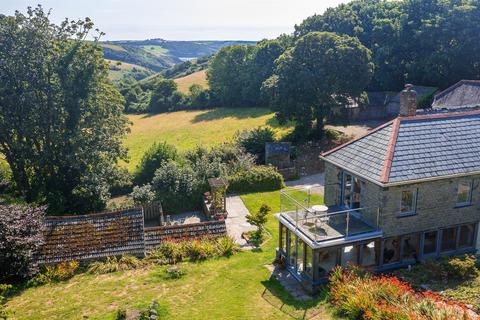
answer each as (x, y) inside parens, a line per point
(303, 211)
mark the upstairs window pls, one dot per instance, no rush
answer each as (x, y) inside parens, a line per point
(464, 193)
(408, 202)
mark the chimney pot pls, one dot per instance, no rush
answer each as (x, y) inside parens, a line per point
(408, 102)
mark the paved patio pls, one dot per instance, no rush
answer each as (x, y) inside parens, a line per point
(236, 221)
(315, 181)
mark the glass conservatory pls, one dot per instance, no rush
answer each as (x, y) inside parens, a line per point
(315, 238)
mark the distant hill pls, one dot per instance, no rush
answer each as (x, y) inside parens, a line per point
(157, 55)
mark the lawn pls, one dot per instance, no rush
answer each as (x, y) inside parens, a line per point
(199, 77)
(238, 287)
(187, 129)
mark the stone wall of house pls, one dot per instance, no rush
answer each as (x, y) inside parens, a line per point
(371, 194)
(436, 203)
(332, 185)
(436, 207)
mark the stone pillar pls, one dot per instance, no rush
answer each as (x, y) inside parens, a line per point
(408, 102)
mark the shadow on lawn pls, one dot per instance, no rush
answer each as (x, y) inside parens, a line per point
(237, 113)
(277, 297)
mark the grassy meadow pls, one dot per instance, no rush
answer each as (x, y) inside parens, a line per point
(187, 129)
(199, 77)
(239, 287)
(123, 69)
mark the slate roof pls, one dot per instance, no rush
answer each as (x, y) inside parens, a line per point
(465, 93)
(412, 148)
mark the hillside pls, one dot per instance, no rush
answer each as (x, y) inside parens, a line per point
(199, 77)
(118, 70)
(157, 54)
(187, 129)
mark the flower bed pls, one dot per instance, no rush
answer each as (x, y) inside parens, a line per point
(358, 294)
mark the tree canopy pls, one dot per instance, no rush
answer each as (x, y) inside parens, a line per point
(318, 77)
(61, 121)
(426, 42)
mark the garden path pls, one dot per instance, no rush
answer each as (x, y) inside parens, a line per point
(236, 221)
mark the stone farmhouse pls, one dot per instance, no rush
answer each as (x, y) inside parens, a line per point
(408, 190)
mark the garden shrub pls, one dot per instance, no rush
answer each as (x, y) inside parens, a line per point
(253, 141)
(21, 234)
(142, 195)
(463, 267)
(170, 252)
(177, 187)
(226, 246)
(113, 264)
(55, 273)
(175, 272)
(154, 157)
(357, 294)
(259, 178)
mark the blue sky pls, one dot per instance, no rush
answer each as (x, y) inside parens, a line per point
(182, 19)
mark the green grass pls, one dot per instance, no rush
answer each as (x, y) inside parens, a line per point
(187, 129)
(113, 47)
(156, 50)
(199, 77)
(239, 287)
(124, 69)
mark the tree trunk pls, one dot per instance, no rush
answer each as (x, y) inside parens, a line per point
(320, 128)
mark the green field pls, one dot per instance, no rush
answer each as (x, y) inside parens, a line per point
(156, 50)
(123, 69)
(187, 129)
(199, 77)
(239, 287)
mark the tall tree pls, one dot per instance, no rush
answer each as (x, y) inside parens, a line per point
(426, 42)
(228, 75)
(61, 121)
(318, 77)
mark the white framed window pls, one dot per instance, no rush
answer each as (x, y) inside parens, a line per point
(408, 202)
(464, 193)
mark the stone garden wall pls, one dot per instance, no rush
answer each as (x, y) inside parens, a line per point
(93, 236)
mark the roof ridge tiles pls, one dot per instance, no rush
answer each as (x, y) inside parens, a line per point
(387, 165)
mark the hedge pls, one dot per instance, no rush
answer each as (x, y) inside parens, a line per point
(259, 178)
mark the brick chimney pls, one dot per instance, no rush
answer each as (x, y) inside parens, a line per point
(408, 102)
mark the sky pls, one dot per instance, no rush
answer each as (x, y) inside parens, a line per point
(182, 19)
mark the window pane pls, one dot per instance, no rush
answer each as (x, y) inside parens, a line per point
(283, 244)
(463, 193)
(309, 261)
(327, 260)
(408, 201)
(349, 255)
(449, 239)
(466, 236)
(411, 244)
(430, 242)
(347, 188)
(292, 254)
(391, 250)
(369, 254)
(356, 193)
(300, 252)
